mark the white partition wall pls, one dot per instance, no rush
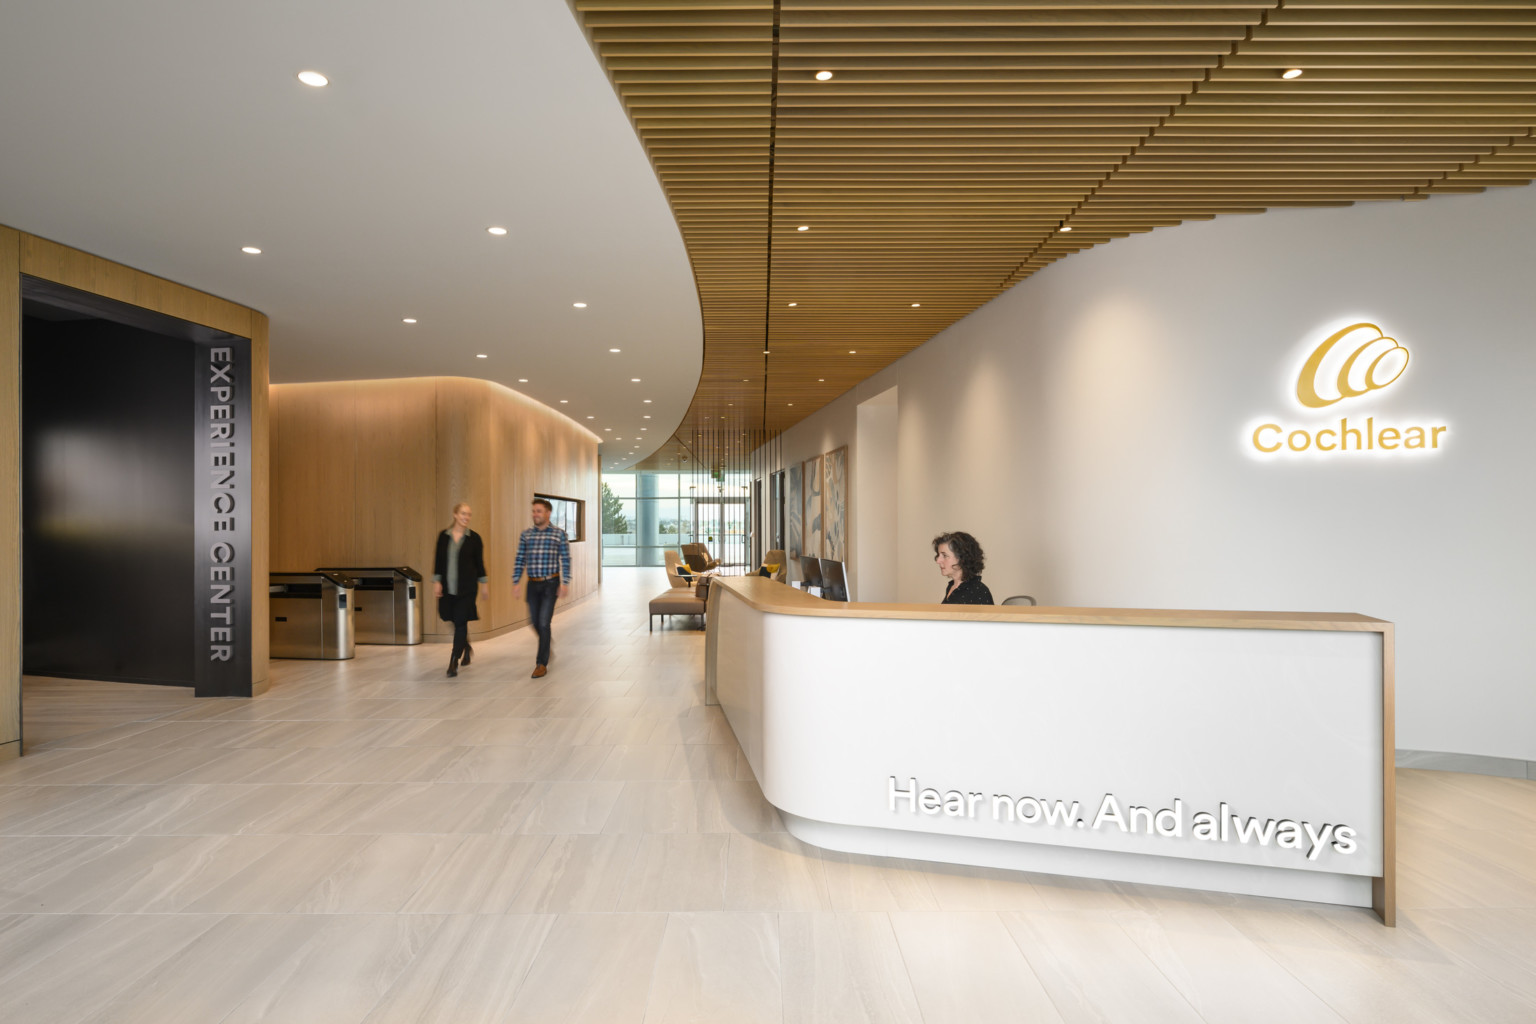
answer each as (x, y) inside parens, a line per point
(1093, 428)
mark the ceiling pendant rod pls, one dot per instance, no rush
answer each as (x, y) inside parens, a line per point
(773, 138)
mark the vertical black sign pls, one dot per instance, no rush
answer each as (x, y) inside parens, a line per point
(222, 492)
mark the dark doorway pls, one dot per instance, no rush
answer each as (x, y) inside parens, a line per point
(114, 411)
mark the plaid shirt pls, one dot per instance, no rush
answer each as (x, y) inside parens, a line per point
(543, 553)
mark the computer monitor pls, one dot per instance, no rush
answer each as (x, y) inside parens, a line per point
(810, 571)
(834, 580)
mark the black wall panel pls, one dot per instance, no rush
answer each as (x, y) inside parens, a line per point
(108, 439)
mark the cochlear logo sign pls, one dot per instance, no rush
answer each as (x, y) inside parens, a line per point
(1353, 362)
(1373, 362)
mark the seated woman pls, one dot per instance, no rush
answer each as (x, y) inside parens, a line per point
(960, 561)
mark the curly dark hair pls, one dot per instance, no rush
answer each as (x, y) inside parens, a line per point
(964, 547)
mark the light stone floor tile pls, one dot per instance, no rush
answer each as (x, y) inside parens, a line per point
(469, 973)
(1067, 951)
(676, 873)
(346, 848)
(577, 874)
(481, 875)
(570, 808)
(717, 967)
(966, 969)
(88, 978)
(774, 871)
(592, 969)
(859, 882)
(381, 877)
(842, 969)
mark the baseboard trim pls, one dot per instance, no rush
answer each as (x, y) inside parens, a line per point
(10, 749)
(1472, 764)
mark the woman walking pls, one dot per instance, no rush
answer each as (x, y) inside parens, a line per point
(458, 572)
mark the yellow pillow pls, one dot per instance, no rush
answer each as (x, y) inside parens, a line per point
(772, 567)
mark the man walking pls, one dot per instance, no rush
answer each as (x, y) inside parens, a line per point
(544, 553)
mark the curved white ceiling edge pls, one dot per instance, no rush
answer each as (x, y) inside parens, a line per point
(166, 136)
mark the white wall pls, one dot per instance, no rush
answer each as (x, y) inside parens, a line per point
(1091, 428)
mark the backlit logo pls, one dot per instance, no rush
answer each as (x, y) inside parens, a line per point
(1349, 363)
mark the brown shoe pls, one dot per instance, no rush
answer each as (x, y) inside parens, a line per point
(538, 671)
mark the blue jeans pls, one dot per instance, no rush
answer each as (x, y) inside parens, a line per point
(541, 609)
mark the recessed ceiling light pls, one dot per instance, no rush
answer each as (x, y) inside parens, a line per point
(591, 417)
(1291, 73)
(643, 417)
(803, 227)
(1066, 228)
(613, 350)
(579, 305)
(481, 355)
(313, 78)
(821, 380)
(765, 352)
(645, 428)
(497, 230)
(823, 76)
(634, 380)
(250, 250)
(647, 401)
(522, 380)
(853, 351)
(607, 428)
(565, 401)
(409, 320)
(794, 303)
(791, 405)
(916, 305)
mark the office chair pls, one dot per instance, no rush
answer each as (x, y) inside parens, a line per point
(1020, 599)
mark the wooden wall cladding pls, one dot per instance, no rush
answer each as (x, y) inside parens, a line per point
(10, 493)
(367, 473)
(957, 142)
(21, 253)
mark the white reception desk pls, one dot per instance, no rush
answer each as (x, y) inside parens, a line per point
(1246, 752)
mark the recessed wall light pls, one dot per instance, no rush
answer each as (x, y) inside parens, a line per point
(313, 78)
(579, 305)
(803, 227)
(497, 230)
(481, 355)
(1291, 73)
(250, 250)
(409, 320)
(823, 76)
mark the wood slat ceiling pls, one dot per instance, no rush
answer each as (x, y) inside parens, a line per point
(956, 142)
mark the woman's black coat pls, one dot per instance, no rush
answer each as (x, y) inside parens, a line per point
(471, 568)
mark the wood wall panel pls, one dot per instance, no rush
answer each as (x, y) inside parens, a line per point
(261, 501)
(401, 454)
(21, 253)
(10, 494)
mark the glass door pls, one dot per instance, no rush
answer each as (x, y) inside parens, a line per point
(720, 524)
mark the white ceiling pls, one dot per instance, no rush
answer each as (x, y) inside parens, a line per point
(167, 134)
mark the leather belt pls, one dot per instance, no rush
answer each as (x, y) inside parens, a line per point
(543, 579)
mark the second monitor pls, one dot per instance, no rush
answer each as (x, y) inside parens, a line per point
(834, 580)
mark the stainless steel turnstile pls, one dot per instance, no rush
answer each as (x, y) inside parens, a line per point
(312, 615)
(387, 603)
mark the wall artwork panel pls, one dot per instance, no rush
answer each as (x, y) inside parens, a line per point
(813, 510)
(792, 512)
(835, 504)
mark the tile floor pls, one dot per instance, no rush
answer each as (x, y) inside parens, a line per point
(372, 842)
